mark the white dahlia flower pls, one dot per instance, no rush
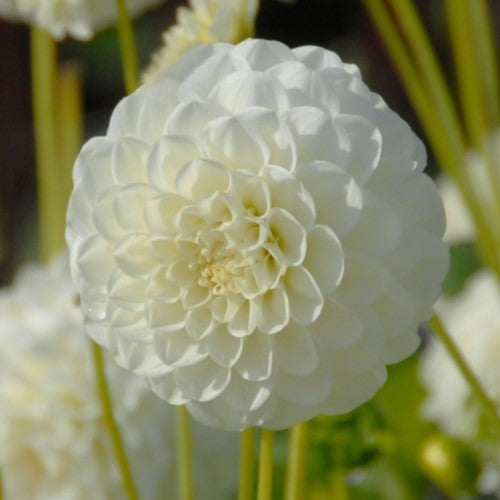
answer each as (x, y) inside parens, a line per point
(204, 21)
(473, 320)
(255, 234)
(78, 19)
(53, 444)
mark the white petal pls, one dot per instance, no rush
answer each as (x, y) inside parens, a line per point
(398, 348)
(200, 178)
(222, 347)
(177, 349)
(199, 322)
(365, 279)
(196, 296)
(125, 289)
(134, 256)
(366, 146)
(317, 137)
(378, 229)
(252, 192)
(202, 381)
(128, 161)
(304, 295)
(295, 351)
(94, 259)
(305, 390)
(167, 157)
(337, 197)
(166, 387)
(263, 54)
(256, 360)
(274, 311)
(288, 235)
(317, 57)
(337, 326)
(227, 141)
(165, 317)
(241, 90)
(324, 257)
(161, 211)
(290, 195)
(161, 288)
(244, 321)
(245, 396)
(125, 116)
(129, 206)
(190, 118)
(104, 217)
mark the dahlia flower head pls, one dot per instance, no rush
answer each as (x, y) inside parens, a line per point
(473, 320)
(256, 236)
(53, 442)
(202, 22)
(79, 19)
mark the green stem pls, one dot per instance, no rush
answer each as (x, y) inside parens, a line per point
(111, 425)
(69, 123)
(51, 208)
(184, 455)
(474, 384)
(265, 485)
(297, 462)
(339, 489)
(487, 62)
(247, 457)
(130, 62)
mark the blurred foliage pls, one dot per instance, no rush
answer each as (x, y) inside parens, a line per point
(464, 261)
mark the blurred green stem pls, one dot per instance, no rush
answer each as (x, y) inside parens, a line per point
(111, 425)
(474, 384)
(297, 463)
(51, 207)
(265, 485)
(184, 454)
(130, 62)
(247, 457)
(339, 489)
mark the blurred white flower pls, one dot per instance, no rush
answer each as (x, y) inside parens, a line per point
(459, 225)
(473, 320)
(53, 444)
(78, 19)
(204, 21)
(255, 234)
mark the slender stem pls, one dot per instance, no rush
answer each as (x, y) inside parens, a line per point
(69, 123)
(130, 62)
(474, 384)
(487, 61)
(51, 210)
(432, 76)
(339, 489)
(247, 457)
(184, 455)
(297, 462)
(111, 425)
(265, 485)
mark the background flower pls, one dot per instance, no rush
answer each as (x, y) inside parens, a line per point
(52, 440)
(204, 21)
(79, 19)
(473, 319)
(255, 235)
